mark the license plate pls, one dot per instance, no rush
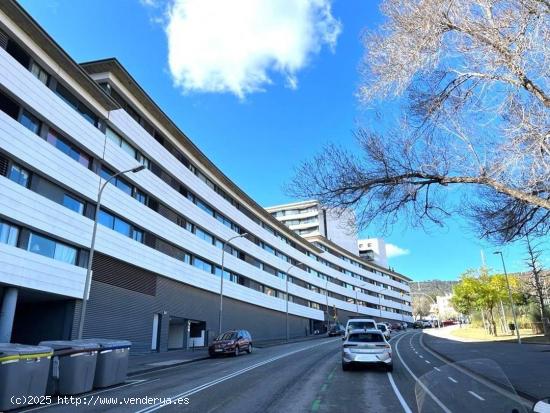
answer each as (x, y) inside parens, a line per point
(218, 350)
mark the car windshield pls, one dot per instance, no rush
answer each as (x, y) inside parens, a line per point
(359, 325)
(230, 335)
(366, 338)
(381, 327)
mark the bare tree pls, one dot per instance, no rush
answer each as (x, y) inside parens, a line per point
(421, 306)
(536, 281)
(471, 79)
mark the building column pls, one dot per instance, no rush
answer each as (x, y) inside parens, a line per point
(7, 313)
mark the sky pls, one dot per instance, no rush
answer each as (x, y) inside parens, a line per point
(258, 86)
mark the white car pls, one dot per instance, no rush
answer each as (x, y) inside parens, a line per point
(360, 324)
(384, 329)
(367, 347)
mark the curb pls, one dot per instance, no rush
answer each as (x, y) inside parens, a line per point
(521, 393)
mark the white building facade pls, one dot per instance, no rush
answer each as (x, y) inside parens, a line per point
(373, 249)
(65, 129)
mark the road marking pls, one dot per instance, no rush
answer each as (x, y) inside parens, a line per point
(140, 382)
(476, 395)
(429, 362)
(434, 398)
(509, 394)
(437, 369)
(453, 380)
(421, 356)
(404, 405)
(204, 386)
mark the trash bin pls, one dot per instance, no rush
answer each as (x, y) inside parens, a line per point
(23, 374)
(112, 361)
(72, 368)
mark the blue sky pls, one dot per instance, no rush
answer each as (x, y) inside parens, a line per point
(256, 137)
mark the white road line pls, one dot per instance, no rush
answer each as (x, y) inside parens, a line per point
(404, 404)
(509, 394)
(435, 399)
(421, 356)
(437, 369)
(453, 380)
(429, 362)
(204, 386)
(476, 395)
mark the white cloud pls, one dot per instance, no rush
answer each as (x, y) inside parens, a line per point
(393, 250)
(236, 46)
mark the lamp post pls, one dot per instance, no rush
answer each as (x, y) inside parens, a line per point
(92, 248)
(509, 295)
(221, 279)
(286, 279)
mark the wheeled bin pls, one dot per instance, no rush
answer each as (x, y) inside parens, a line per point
(72, 368)
(23, 374)
(112, 361)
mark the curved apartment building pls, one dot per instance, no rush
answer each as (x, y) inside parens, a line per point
(65, 129)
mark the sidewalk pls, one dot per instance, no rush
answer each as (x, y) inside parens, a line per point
(144, 363)
(525, 366)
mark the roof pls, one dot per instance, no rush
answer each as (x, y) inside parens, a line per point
(112, 65)
(291, 205)
(24, 20)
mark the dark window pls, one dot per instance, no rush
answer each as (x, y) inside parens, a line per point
(19, 175)
(30, 122)
(64, 146)
(73, 203)
(366, 338)
(8, 106)
(71, 100)
(18, 53)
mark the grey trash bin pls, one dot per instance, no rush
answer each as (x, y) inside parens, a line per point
(72, 368)
(23, 373)
(112, 361)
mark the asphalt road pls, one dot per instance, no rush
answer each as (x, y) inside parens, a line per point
(305, 377)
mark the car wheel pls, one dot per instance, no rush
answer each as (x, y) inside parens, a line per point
(249, 349)
(237, 352)
(389, 367)
(345, 366)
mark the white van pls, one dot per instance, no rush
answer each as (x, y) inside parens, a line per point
(360, 324)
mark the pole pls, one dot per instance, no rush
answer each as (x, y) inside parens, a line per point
(357, 303)
(510, 296)
(92, 248)
(220, 315)
(286, 278)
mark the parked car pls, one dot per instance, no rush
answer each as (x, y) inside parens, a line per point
(396, 326)
(418, 324)
(404, 325)
(360, 323)
(337, 330)
(367, 347)
(384, 329)
(231, 342)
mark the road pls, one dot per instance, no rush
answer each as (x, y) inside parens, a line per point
(304, 377)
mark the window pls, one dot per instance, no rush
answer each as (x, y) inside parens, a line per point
(106, 219)
(19, 175)
(18, 53)
(123, 227)
(52, 249)
(65, 253)
(113, 136)
(137, 235)
(8, 233)
(204, 235)
(140, 196)
(40, 73)
(123, 186)
(8, 106)
(73, 203)
(64, 146)
(143, 160)
(30, 122)
(203, 265)
(71, 100)
(119, 141)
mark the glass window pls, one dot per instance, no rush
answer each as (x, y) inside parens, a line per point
(205, 207)
(8, 233)
(204, 235)
(73, 203)
(140, 196)
(124, 186)
(40, 73)
(123, 227)
(129, 149)
(19, 175)
(113, 136)
(30, 122)
(41, 245)
(143, 160)
(105, 173)
(64, 146)
(203, 265)
(106, 219)
(65, 253)
(137, 235)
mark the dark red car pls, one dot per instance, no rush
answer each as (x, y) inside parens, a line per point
(232, 342)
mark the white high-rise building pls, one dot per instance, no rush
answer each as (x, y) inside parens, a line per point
(373, 249)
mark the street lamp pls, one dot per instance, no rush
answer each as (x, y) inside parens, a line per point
(509, 295)
(92, 247)
(221, 278)
(286, 278)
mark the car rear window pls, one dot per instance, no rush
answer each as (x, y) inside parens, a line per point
(366, 338)
(228, 336)
(381, 327)
(359, 325)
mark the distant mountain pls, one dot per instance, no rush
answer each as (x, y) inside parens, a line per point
(433, 287)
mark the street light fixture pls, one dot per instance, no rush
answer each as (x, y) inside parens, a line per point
(221, 278)
(92, 247)
(509, 295)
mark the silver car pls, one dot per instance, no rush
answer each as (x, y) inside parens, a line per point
(384, 329)
(366, 347)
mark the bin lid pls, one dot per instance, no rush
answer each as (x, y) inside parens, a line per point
(70, 345)
(108, 343)
(16, 351)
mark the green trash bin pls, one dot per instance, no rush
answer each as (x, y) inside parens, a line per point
(23, 374)
(112, 361)
(72, 368)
